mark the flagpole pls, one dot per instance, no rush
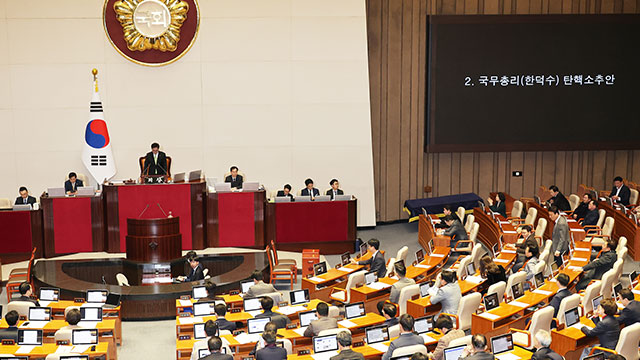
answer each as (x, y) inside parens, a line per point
(95, 78)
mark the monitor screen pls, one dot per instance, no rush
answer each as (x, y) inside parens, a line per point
(320, 268)
(203, 353)
(345, 259)
(491, 301)
(49, 294)
(571, 317)
(199, 292)
(252, 304)
(325, 343)
(539, 279)
(502, 343)
(113, 299)
(517, 290)
(84, 336)
(423, 324)
(454, 353)
(420, 255)
(471, 269)
(97, 296)
(596, 301)
(363, 249)
(424, 289)
(29, 337)
(203, 308)
(39, 313)
(377, 334)
(198, 331)
(633, 278)
(307, 317)
(430, 246)
(91, 313)
(616, 291)
(256, 325)
(370, 277)
(245, 285)
(354, 310)
(299, 297)
(496, 249)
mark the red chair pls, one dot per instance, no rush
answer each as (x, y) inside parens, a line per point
(280, 272)
(13, 284)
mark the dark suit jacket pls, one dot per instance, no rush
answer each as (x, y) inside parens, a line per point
(581, 211)
(482, 355)
(348, 354)
(601, 264)
(271, 352)
(561, 202)
(26, 298)
(69, 187)
(377, 264)
(330, 192)
(557, 299)
(30, 200)
(9, 333)
(224, 324)
(624, 194)
(630, 314)
(391, 322)
(544, 353)
(281, 193)
(443, 225)
(305, 192)
(607, 330)
(196, 274)
(218, 356)
(499, 207)
(280, 320)
(493, 278)
(458, 230)
(234, 184)
(591, 218)
(151, 168)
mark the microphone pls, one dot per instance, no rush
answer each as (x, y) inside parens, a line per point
(165, 214)
(145, 209)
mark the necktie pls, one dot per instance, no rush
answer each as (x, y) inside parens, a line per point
(25, 200)
(155, 159)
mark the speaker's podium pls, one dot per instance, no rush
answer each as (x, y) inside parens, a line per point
(154, 240)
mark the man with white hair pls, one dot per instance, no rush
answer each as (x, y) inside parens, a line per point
(542, 341)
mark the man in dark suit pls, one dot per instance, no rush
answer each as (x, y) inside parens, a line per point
(558, 199)
(335, 189)
(211, 287)
(10, 333)
(620, 192)
(529, 242)
(456, 230)
(563, 292)
(196, 273)
(286, 191)
(477, 350)
(235, 179)
(560, 235)
(280, 320)
(24, 197)
(631, 312)
(271, 351)
(581, 211)
(499, 206)
(607, 330)
(309, 190)
(447, 210)
(25, 293)
(592, 216)
(389, 311)
(344, 348)
(595, 269)
(223, 324)
(407, 336)
(542, 341)
(215, 344)
(71, 186)
(155, 162)
(376, 260)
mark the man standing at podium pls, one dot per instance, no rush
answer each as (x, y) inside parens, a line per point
(155, 162)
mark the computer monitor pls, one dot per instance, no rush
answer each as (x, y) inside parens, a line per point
(256, 325)
(86, 191)
(430, 246)
(195, 175)
(199, 333)
(322, 198)
(471, 269)
(596, 301)
(325, 343)
(199, 292)
(39, 314)
(250, 186)
(204, 353)
(370, 277)
(496, 249)
(571, 317)
(113, 300)
(616, 291)
(299, 297)
(300, 199)
(69, 357)
(419, 256)
(307, 317)
(454, 353)
(345, 259)
(223, 187)
(599, 356)
(377, 334)
(97, 296)
(91, 313)
(29, 337)
(345, 197)
(539, 279)
(179, 177)
(245, 285)
(633, 279)
(491, 301)
(423, 324)
(424, 289)
(320, 268)
(354, 310)
(204, 308)
(502, 343)
(282, 199)
(517, 290)
(363, 249)
(399, 263)
(84, 336)
(49, 294)
(55, 192)
(252, 304)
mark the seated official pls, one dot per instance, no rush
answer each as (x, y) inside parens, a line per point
(530, 241)
(407, 336)
(499, 206)
(455, 231)
(491, 271)
(324, 322)
(72, 317)
(620, 192)
(563, 292)
(631, 312)
(376, 260)
(155, 161)
(215, 344)
(448, 294)
(235, 179)
(211, 329)
(542, 341)
(401, 271)
(592, 216)
(10, 333)
(444, 324)
(259, 287)
(607, 328)
(477, 350)
(25, 198)
(558, 199)
(71, 186)
(196, 273)
(211, 287)
(581, 211)
(26, 293)
(344, 348)
(280, 320)
(447, 210)
(389, 311)
(271, 351)
(335, 189)
(223, 323)
(531, 253)
(309, 190)
(286, 191)
(270, 326)
(596, 268)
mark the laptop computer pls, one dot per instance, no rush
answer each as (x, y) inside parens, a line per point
(325, 343)
(86, 191)
(538, 279)
(496, 249)
(199, 292)
(419, 256)
(299, 297)
(256, 325)
(322, 198)
(303, 199)
(571, 317)
(453, 353)
(39, 314)
(633, 279)
(319, 268)
(22, 207)
(91, 313)
(363, 249)
(370, 277)
(84, 336)
(222, 187)
(423, 324)
(49, 294)
(427, 288)
(376, 334)
(29, 337)
(491, 301)
(430, 246)
(97, 296)
(354, 310)
(345, 259)
(281, 199)
(252, 304)
(195, 175)
(616, 291)
(471, 269)
(517, 290)
(179, 177)
(245, 285)
(501, 343)
(203, 308)
(596, 301)
(307, 317)
(555, 270)
(250, 186)
(55, 192)
(342, 198)
(199, 333)
(205, 352)
(113, 301)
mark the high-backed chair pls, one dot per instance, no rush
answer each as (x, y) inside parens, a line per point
(287, 344)
(476, 255)
(622, 243)
(354, 279)
(275, 296)
(390, 264)
(540, 266)
(460, 212)
(23, 272)
(462, 266)
(22, 307)
(122, 280)
(633, 198)
(516, 210)
(518, 277)
(63, 335)
(567, 303)
(468, 224)
(469, 304)
(402, 254)
(574, 201)
(540, 229)
(591, 292)
(69, 308)
(141, 162)
(499, 289)
(409, 350)
(285, 262)
(394, 331)
(532, 213)
(541, 320)
(5, 203)
(280, 272)
(334, 312)
(597, 236)
(617, 268)
(244, 177)
(465, 246)
(406, 294)
(627, 344)
(465, 340)
(608, 280)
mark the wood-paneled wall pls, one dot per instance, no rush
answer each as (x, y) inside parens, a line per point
(397, 71)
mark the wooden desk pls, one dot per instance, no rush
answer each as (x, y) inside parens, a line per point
(58, 308)
(41, 352)
(489, 231)
(236, 219)
(21, 232)
(232, 301)
(576, 230)
(569, 342)
(422, 306)
(624, 226)
(322, 289)
(426, 232)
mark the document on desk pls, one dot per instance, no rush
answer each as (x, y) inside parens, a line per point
(579, 259)
(316, 279)
(380, 347)
(300, 331)
(490, 316)
(64, 349)
(577, 230)
(543, 292)
(91, 305)
(245, 338)
(519, 304)
(635, 291)
(45, 303)
(423, 266)
(507, 356)
(347, 323)
(254, 313)
(508, 251)
(33, 324)
(428, 339)
(25, 349)
(346, 269)
(580, 325)
(378, 285)
(502, 261)
(185, 302)
(575, 268)
(190, 320)
(325, 355)
(290, 310)
(436, 255)
(474, 279)
(79, 349)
